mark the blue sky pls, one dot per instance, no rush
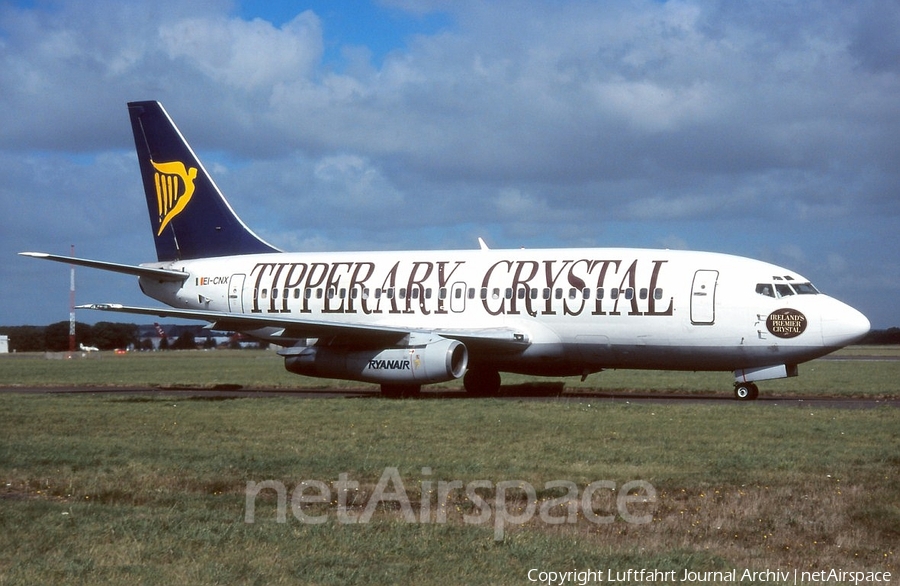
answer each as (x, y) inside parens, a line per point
(378, 27)
(764, 129)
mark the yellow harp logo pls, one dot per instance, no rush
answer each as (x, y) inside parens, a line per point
(174, 188)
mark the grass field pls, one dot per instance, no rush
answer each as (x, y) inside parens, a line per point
(106, 488)
(264, 369)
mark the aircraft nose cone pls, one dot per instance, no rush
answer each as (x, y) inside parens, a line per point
(843, 326)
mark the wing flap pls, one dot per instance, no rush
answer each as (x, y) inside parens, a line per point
(486, 339)
(293, 328)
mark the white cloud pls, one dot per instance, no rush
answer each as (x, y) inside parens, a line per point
(354, 184)
(246, 55)
(650, 107)
(513, 204)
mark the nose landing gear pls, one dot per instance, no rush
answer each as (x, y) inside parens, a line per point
(746, 391)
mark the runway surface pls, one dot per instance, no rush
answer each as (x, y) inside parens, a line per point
(540, 392)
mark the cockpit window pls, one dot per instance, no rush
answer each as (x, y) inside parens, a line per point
(778, 290)
(765, 289)
(783, 290)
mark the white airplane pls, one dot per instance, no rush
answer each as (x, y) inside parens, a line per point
(404, 319)
(88, 348)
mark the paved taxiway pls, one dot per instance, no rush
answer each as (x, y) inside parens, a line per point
(539, 392)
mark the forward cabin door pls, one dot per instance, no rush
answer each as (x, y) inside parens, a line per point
(703, 298)
(236, 293)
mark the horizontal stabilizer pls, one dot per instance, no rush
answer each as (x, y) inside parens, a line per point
(139, 271)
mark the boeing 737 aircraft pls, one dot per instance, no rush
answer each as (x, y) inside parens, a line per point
(404, 319)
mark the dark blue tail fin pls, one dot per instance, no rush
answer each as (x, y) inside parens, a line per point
(189, 216)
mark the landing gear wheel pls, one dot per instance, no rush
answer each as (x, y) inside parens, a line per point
(746, 391)
(481, 382)
(400, 391)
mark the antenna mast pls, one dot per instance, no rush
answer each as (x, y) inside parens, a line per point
(72, 307)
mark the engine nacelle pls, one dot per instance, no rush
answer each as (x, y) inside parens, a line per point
(423, 361)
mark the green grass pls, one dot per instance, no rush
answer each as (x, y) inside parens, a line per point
(98, 488)
(265, 369)
(150, 369)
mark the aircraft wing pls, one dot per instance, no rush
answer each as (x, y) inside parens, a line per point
(494, 339)
(480, 339)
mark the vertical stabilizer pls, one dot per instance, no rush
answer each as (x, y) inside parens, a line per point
(188, 214)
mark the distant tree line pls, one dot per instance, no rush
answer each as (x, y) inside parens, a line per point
(882, 337)
(105, 336)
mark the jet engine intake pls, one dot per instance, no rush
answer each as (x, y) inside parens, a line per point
(433, 360)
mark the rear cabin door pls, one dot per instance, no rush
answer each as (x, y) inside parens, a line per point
(703, 297)
(236, 293)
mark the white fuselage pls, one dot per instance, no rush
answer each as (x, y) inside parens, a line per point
(581, 310)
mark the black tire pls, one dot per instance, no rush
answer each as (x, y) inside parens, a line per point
(754, 392)
(482, 382)
(746, 392)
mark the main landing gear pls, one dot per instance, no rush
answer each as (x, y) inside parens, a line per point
(746, 391)
(482, 382)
